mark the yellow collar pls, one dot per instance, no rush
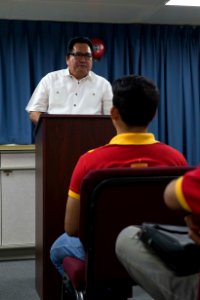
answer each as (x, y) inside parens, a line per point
(133, 139)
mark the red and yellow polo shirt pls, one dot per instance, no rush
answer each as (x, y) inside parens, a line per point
(125, 150)
(188, 191)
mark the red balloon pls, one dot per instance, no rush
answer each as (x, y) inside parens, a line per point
(99, 48)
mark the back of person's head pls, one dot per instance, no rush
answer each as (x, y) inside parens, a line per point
(136, 99)
(78, 40)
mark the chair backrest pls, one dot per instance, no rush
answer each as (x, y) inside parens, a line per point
(112, 199)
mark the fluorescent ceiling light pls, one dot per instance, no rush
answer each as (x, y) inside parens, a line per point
(184, 2)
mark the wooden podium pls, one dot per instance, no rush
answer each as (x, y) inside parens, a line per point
(60, 140)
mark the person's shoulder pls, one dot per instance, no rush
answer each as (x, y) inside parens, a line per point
(97, 149)
(55, 74)
(98, 77)
(61, 72)
(171, 150)
(168, 147)
(94, 152)
(195, 172)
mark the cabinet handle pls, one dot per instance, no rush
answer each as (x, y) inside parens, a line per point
(7, 172)
(10, 170)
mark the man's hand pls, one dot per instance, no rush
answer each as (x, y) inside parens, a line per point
(193, 223)
(34, 116)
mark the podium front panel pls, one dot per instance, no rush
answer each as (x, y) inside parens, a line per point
(60, 140)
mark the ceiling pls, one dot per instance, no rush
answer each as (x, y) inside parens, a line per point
(100, 11)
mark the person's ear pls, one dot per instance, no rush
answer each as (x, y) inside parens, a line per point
(114, 113)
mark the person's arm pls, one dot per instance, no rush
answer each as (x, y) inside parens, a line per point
(71, 223)
(39, 101)
(72, 216)
(34, 116)
(170, 197)
(107, 99)
(192, 220)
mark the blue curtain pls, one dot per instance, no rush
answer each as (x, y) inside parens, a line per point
(169, 55)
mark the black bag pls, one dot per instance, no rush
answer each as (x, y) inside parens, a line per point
(173, 245)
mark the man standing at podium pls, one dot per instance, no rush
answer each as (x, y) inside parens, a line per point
(75, 90)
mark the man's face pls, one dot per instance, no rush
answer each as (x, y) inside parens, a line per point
(80, 61)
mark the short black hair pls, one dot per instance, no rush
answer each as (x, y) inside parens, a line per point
(79, 40)
(136, 99)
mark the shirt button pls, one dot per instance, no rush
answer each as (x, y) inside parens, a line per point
(74, 104)
(76, 94)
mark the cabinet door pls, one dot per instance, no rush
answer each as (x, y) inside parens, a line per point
(18, 199)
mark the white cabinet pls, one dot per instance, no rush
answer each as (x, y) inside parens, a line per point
(17, 188)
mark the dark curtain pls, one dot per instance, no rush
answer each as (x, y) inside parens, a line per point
(169, 55)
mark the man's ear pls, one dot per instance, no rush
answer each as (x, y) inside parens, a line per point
(114, 113)
(66, 59)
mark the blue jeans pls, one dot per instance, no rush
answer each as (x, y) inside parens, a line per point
(63, 246)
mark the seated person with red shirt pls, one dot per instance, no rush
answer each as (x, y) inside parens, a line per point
(135, 102)
(144, 266)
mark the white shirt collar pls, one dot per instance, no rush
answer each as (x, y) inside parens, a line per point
(88, 77)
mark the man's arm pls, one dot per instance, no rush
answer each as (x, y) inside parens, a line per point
(72, 216)
(170, 196)
(192, 221)
(34, 116)
(107, 99)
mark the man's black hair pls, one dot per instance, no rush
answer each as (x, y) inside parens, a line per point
(79, 40)
(136, 99)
